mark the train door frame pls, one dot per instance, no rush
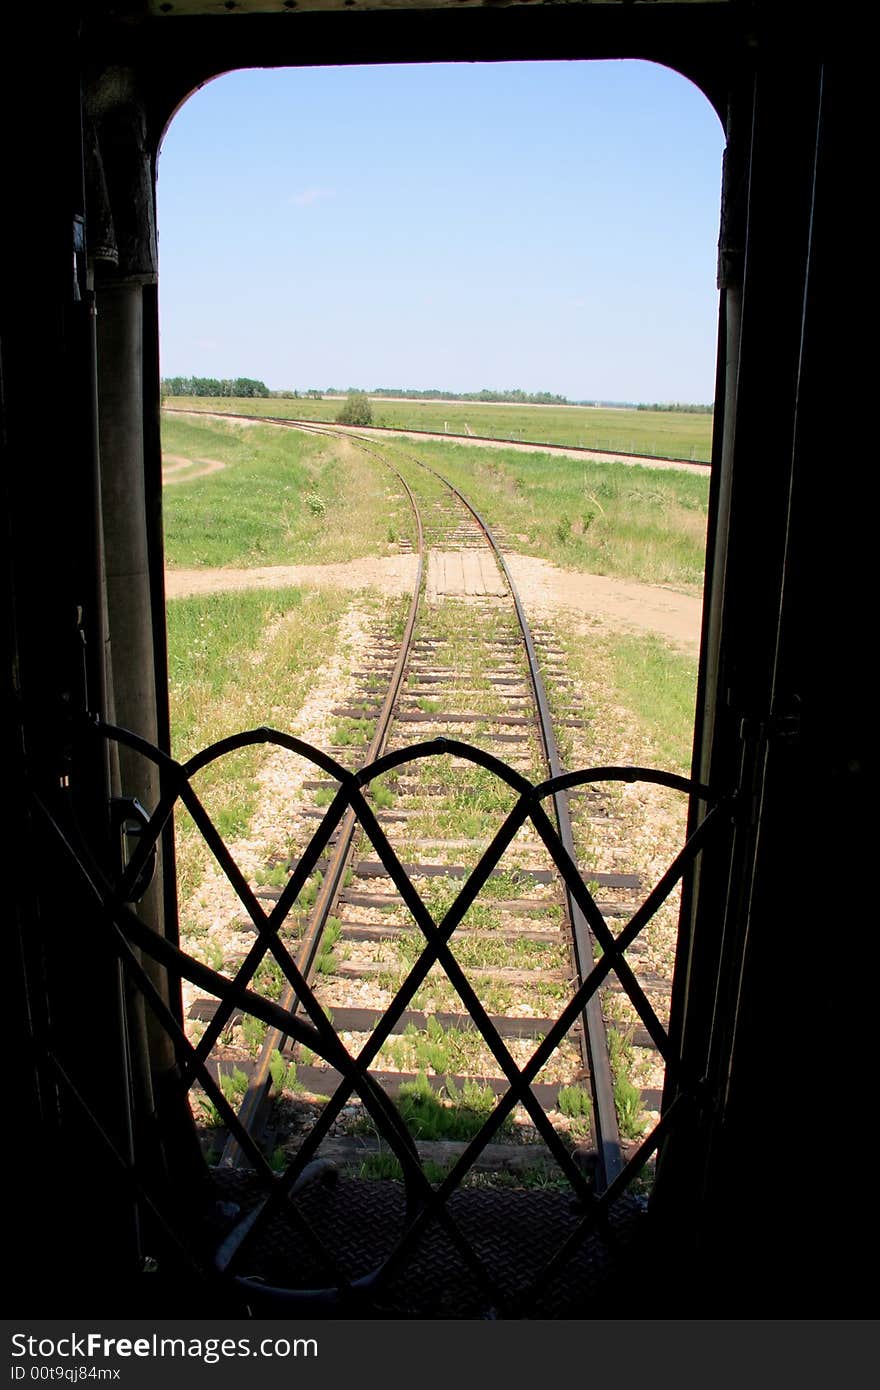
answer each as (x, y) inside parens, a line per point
(769, 722)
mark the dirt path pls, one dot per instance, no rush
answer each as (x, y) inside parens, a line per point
(177, 469)
(392, 574)
(619, 604)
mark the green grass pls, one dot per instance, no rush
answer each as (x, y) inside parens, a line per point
(604, 518)
(381, 1166)
(215, 957)
(381, 794)
(276, 877)
(352, 733)
(233, 1085)
(574, 1102)
(253, 1031)
(309, 891)
(217, 687)
(652, 680)
(472, 803)
(628, 1101)
(627, 1096)
(328, 959)
(269, 980)
(675, 434)
(280, 498)
(384, 1166)
(207, 1113)
(659, 685)
(283, 1073)
(209, 640)
(436, 1049)
(437, 994)
(481, 954)
(277, 501)
(459, 1116)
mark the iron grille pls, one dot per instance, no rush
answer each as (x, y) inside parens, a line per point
(307, 1023)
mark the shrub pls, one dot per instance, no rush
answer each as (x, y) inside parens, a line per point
(356, 410)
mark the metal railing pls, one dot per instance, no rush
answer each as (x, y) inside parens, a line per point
(305, 1020)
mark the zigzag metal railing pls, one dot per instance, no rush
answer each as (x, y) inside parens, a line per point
(424, 1202)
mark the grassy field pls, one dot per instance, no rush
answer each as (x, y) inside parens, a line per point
(602, 518)
(283, 498)
(659, 433)
(237, 660)
(279, 499)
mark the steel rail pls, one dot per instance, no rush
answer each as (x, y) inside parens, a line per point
(595, 1043)
(253, 1109)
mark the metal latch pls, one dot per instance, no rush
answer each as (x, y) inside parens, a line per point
(782, 724)
(129, 820)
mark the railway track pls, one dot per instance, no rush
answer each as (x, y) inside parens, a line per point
(467, 669)
(427, 973)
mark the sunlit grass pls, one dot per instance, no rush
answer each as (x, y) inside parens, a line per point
(676, 434)
(659, 685)
(238, 660)
(282, 498)
(602, 518)
(652, 680)
(286, 497)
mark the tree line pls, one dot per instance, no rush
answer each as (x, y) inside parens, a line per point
(513, 396)
(211, 386)
(679, 407)
(244, 386)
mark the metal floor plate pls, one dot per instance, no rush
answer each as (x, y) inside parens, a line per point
(515, 1232)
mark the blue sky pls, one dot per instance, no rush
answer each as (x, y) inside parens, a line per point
(551, 226)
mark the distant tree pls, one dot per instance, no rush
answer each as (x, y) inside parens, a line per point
(246, 386)
(356, 410)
